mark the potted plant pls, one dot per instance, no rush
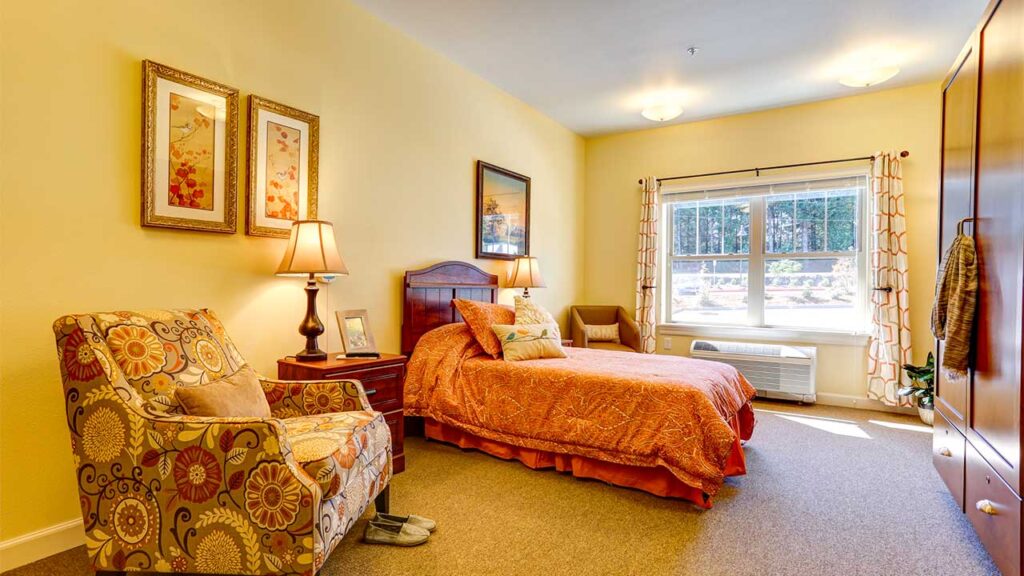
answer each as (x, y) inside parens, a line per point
(922, 389)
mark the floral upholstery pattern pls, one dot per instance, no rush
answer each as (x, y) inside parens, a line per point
(328, 447)
(162, 491)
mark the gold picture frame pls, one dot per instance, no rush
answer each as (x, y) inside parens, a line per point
(189, 151)
(283, 167)
(356, 337)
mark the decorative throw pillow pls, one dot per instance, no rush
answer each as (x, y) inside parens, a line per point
(602, 332)
(480, 316)
(529, 341)
(239, 394)
(528, 312)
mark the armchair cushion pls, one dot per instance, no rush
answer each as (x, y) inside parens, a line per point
(335, 448)
(239, 394)
(614, 346)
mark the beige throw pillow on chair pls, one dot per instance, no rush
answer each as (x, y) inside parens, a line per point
(602, 333)
(239, 394)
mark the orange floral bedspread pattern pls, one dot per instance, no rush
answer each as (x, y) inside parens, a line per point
(617, 407)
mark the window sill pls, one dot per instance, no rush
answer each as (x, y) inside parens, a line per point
(786, 335)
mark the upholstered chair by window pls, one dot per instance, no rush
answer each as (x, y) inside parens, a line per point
(628, 330)
(162, 491)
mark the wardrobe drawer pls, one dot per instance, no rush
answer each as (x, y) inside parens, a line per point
(948, 446)
(994, 510)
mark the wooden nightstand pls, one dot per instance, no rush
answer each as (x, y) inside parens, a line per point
(383, 379)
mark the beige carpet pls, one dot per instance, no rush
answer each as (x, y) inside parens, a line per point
(828, 491)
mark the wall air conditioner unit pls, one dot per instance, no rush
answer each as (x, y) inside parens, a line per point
(775, 371)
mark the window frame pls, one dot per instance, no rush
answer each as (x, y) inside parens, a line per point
(755, 325)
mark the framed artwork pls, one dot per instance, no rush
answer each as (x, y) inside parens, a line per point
(356, 338)
(189, 151)
(284, 151)
(502, 213)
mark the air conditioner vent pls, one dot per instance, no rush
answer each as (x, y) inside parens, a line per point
(774, 370)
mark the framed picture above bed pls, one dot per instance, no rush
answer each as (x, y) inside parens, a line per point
(284, 152)
(502, 213)
(189, 151)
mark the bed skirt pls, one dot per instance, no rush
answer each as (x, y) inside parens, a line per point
(655, 480)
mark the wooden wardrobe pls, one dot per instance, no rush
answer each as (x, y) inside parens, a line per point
(977, 439)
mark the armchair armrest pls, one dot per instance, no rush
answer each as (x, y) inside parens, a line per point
(629, 331)
(289, 398)
(578, 330)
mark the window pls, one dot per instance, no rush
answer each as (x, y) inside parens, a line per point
(789, 254)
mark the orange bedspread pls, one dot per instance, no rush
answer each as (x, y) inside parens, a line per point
(614, 407)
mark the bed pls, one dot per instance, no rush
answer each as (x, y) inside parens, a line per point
(667, 425)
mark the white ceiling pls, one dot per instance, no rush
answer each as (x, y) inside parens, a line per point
(593, 64)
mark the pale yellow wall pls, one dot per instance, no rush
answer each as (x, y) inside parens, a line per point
(401, 129)
(905, 118)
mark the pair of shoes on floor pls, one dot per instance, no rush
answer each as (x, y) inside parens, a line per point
(409, 530)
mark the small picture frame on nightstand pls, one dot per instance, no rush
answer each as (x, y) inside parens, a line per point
(356, 337)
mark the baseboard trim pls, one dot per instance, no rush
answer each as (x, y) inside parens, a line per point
(37, 545)
(861, 403)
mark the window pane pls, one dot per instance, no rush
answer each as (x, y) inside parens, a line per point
(778, 226)
(811, 293)
(810, 222)
(684, 229)
(842, 221)
(709, 291)
(710, 233)
(736, 224)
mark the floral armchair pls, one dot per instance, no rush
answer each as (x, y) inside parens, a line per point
(166, 492)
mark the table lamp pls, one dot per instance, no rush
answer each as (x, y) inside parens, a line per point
(525, 274)
(311, 251)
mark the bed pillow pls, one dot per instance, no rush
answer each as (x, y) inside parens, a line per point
(529, 341)
(239, 394)
(602, 332)
(480, 316)
(528, 312)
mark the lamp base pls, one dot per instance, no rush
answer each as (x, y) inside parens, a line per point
(311, 326)
(311, 356)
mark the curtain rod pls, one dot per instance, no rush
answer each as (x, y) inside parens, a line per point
(757, 171)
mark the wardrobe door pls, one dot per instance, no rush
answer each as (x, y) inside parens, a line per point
(995, 402)
(959, 106)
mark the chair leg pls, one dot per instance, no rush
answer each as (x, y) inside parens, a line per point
(383, 500)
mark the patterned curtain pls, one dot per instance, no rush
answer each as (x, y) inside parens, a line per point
(890, 296)
(647, 264)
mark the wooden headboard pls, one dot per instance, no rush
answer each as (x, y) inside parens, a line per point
(429, 293)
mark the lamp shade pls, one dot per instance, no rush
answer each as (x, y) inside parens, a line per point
(311, 250)
(525, 274)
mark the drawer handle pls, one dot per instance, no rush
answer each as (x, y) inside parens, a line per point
(987, 507)
(371, 391)
(946, 452)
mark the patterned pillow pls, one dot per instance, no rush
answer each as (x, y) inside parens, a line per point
(529, 341)
(602, 332)
(480, 316)
(527, 312)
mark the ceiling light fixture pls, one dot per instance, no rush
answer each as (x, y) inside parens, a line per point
(864, 77)
(662, 112)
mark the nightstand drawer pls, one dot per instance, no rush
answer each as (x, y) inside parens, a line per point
(396, 422)
(383, 384)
